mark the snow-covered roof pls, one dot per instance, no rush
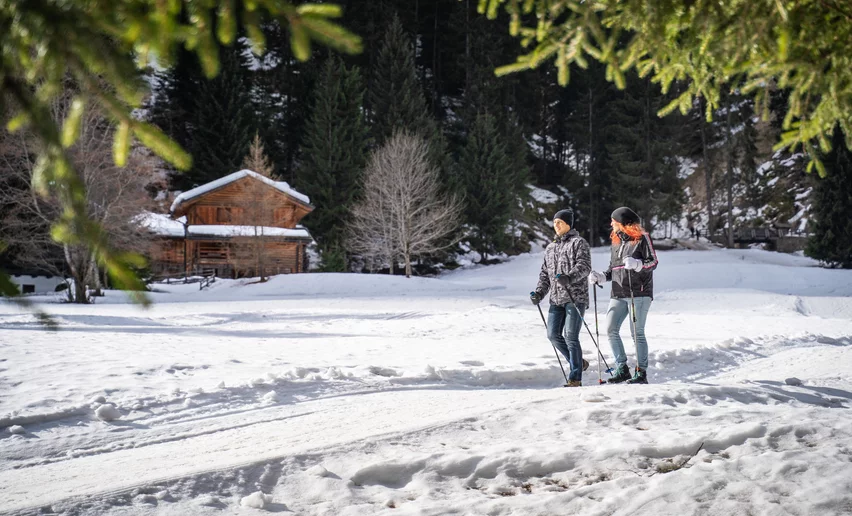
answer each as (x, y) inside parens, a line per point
(246, 231)
(236, 176)
(161, 224)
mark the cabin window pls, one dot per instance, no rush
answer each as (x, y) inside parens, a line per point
(28, 289)
(223, 214)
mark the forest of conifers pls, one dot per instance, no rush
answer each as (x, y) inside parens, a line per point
(427, 69)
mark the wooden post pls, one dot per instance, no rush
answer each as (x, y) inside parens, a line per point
(185, 238)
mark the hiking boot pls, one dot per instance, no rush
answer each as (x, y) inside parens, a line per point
(574, 383)
(640, 377)
(621, 374)
(585, 364)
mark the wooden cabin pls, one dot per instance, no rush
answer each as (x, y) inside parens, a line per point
(231, 228)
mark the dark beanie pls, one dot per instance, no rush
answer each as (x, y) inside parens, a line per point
(625, 216)
(566, 216)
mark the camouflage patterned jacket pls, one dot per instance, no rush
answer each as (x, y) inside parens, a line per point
(568, 256)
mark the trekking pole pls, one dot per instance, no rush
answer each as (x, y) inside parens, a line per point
(608, 369)
(597, 329)
(554, 347)
(632, 314)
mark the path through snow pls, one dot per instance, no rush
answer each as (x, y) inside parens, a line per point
(337, 394)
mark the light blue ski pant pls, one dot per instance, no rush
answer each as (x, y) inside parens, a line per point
(616, 313)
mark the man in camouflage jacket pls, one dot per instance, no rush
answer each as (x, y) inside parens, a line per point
(567, 263)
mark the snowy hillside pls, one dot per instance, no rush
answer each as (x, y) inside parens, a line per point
(364, 394)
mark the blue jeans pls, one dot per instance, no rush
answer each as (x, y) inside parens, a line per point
(616, 313)
(566, 319)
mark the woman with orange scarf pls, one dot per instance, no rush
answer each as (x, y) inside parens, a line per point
(631, 270)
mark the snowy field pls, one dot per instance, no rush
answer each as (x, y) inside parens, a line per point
(355, 395)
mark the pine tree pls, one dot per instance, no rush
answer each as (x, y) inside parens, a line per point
(171, 105)
(214, 120)
(747, 147)
(587, 106)
(334, 152)
(832, 204)
(396, 99)
(627, 147)
(283, 88)
(517, 153)
(224, 120)
(486, 171)
(641, 152)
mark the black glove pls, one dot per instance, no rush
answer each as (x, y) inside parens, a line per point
(562, 280)
(535, 298)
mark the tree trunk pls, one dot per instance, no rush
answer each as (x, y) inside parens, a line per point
(80, 291)
(261, 264)
(467, 62)
(707, 173)
(78, 274)
(407, 265)
(436, 69)
(648, 152)
(593, 205)
(94, 273)
(543, 131)
(730, 178)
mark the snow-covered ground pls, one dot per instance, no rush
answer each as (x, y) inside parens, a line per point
(354, 394)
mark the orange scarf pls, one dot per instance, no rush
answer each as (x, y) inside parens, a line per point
(634, 231)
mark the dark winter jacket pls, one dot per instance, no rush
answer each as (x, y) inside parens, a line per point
(642, 281)
(569, 257)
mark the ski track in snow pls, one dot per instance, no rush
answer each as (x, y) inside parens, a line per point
(330, 394)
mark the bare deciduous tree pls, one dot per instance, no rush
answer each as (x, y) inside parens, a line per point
(114, 195)
(257, 161)
(250, 250)
(402, 212)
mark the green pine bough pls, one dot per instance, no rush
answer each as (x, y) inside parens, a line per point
(102, 47)
(754, 46)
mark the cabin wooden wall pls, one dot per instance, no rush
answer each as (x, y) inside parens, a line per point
(232, 199)
(228, 256)
(167, 255)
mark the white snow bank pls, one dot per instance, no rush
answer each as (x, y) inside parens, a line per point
(543, 196)
(256, 500)
(107, 412)
(38, 416)
(318, 471)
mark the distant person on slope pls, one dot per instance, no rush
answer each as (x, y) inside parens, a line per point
(631, 270)
(567, 262)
